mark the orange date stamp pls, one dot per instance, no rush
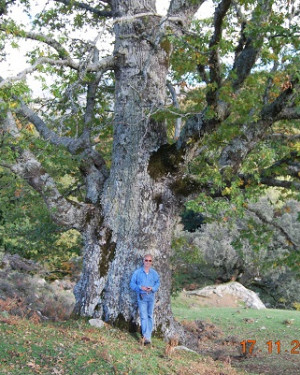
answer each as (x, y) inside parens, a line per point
(248, 347)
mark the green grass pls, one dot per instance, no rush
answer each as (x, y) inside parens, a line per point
(263, 326)
(76, 348)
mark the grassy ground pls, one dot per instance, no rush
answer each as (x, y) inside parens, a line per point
(75, 348)
(276, 335)
(30, 347)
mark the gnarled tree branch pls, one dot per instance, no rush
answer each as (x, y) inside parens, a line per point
(39, 37)
(249, 48)
(233, 154)
(214, 62)
(64, 212)
(275, 182)
(277, 108)
(184, 10)
(62, 52)
(289, 113)
(104, 64)
(69, 214)
(289, 166)
(71, 144)
(93, 164)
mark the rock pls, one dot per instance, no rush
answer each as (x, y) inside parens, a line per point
(235, 289)
(22, 281)
(96, 323)
(15, 262)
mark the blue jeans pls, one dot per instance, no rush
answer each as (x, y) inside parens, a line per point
(146, 307)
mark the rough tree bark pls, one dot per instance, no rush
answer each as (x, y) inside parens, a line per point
(131, 209)
(138, 208)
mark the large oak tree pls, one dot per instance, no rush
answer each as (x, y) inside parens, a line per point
(242, 63)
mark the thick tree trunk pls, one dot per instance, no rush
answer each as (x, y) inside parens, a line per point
(136, 208)
(139, 209)
(98, 252)
(141, 226)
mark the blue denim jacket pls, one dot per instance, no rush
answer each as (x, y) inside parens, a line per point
(140, 278)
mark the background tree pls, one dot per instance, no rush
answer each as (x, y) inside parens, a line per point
(260, 250)
(243, 62)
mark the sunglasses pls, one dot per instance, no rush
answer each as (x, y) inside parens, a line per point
(147, 260)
